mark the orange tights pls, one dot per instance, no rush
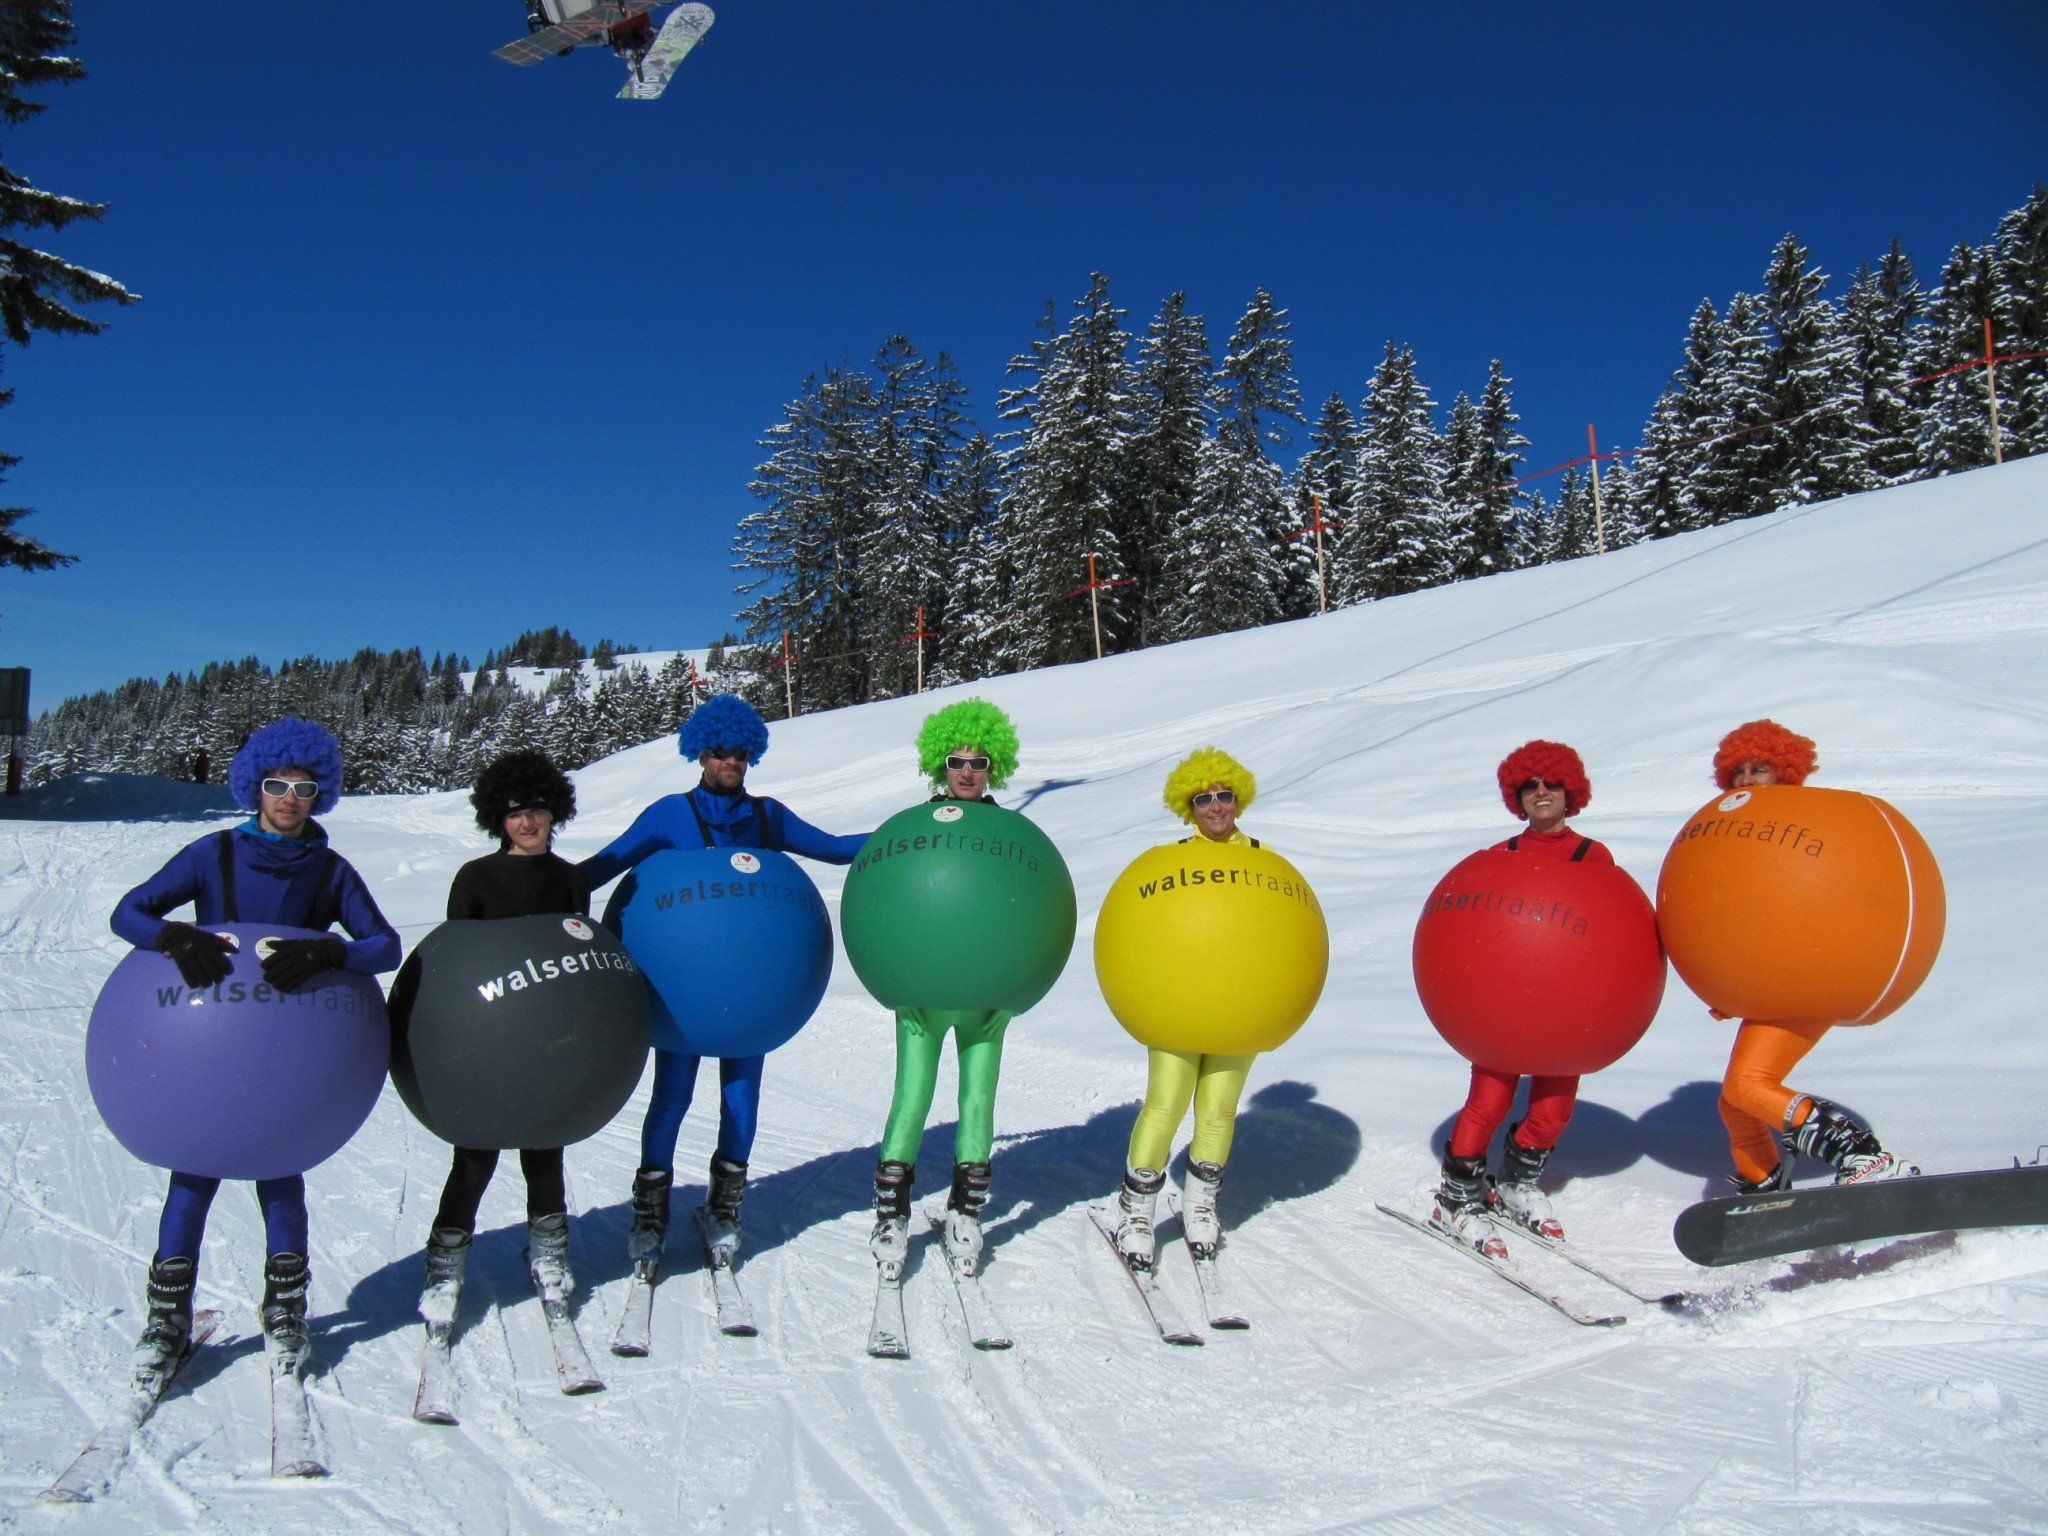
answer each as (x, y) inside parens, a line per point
(1755, 1102)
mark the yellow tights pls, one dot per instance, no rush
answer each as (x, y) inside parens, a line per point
(1214, 1083)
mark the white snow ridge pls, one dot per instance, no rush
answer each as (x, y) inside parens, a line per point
(1386, 1385)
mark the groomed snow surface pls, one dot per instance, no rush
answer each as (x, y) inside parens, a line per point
(1387, 1385)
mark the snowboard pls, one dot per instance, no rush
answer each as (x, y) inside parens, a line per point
(679, 34)
(1739, 1227)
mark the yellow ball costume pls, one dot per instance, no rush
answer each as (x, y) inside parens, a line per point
(1208, 952)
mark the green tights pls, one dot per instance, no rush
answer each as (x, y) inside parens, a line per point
(920, 1035)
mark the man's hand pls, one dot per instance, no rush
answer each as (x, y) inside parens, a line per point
(201, 957)
(292, 963)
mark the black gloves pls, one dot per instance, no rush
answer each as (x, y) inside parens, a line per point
(201, 957)
(292, 963)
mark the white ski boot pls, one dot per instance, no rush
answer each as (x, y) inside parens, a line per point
(447, 1262)
(1460, 1208)
(963, 1217)
(1198, 1220)
(1516, 1195)
(890, 1241)
(547, 1257)
(1136, 1203)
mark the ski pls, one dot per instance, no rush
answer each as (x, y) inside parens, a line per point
(292, 1452)
(434, 1402)
(1159, 1307)
(572, 1361)
(1735, 1228)
(1565, 1249)
(1506, 1269)
(93, 1469)
(735, 1317)
(888, 1338)
(685, 27)
(1216, 1302)
(633, 1336)
(984, 1328)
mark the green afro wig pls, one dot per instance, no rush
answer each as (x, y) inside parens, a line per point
(969, 723)
(1197, 771)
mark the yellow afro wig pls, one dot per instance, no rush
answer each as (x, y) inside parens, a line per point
(968, 723)
(1211, 765)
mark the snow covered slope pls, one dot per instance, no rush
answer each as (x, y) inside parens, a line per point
(1387, 1384)
(537, 680)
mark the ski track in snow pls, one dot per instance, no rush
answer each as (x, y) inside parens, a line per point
(1384, 1386)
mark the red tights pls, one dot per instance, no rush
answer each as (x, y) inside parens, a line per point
(1493, 1094)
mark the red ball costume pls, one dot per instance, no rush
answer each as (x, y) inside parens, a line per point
(1492, 1094)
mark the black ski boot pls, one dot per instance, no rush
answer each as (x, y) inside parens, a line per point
(890, 1242)
(722, 1208)
(1515, 1193)
(284, 1307)
(1837, 1137)
(963, 1216)
(1460, 1209)
(650, 1215)
(447, 1262)
(168, 1333)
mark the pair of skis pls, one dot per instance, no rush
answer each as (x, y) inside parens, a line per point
(633, 1337)
(889, 1337)
(434, 1402)
(1164, 1312)
(292, 1450)
(1512, 1272)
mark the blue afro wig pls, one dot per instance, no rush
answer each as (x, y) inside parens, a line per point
(288, 743)
(725, 720)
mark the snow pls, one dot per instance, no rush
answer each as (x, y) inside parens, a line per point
(1386, 1385)
(118, 797)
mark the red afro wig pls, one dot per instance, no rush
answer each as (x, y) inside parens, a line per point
(1790, 755)
(1554, 763)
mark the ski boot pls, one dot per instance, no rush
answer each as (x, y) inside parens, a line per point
(547, 1257)
(650, 1216)
(1198, 1221)
(1835, 1136)
(1136, 1202)
(1515, 1193)
(1460, 1209)
(890, 1241)
(963, 1216)
(722, 1209)
(284, 1309)
(447, 1261)
(168, 1333)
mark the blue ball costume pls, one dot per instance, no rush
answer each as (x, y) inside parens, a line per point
(704, 818)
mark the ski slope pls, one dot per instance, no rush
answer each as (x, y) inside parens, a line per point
(1387, 1385)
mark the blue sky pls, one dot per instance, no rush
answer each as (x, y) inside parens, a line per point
(432, 350)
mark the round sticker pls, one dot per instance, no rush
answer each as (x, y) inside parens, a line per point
(948, 813)
(745, 863)
(266, 946)
(234, 944)
(576, 928)
(1736, 801)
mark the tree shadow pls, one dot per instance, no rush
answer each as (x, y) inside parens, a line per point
(1288, 1145)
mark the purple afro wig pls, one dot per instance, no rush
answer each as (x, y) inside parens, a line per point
(288, 743)
(725, 720)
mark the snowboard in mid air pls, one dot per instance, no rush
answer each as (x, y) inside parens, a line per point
(678, 35)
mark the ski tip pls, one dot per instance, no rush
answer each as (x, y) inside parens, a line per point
(889, 1351)
(1183, 1338)
(1230, 1324)
(434, 1416)
(629, 1350)
(65, 1496)
(988, 1345)
(583, 1387)
(301, 1469)
(740, 1330)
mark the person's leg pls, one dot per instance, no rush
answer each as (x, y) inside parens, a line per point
(979, 1047)
(1755, 1103)
(469, 1175)
(917, 1075)
(739, 1106)
(547, 1191)
(286, 1272)
(675, 1080)
(1218, 1087)
(283, 1202)
(1487, 1103)
(1551, 1102)
(182, 1226)
(1527, 1147)
(1170, 1078)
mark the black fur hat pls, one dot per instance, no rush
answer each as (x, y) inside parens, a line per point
(517, 780)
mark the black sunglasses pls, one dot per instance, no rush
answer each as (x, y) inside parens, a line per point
(1209, 797)
(304, 789)
(967, 764)
(728, 754)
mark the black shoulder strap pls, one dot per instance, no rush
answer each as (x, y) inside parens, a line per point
(1514, 842)
(327, 905)
(1256, 843)
(229, 913)
(703, 827)
(761, 832)
(1579, 852)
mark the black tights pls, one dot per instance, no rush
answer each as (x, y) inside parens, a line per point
(471, 1176)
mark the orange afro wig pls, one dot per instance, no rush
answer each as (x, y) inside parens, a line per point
(1554, 763)
(1764, 741)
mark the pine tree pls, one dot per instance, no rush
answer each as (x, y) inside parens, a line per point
(2019, 317)
(1397, 543)
(1954, 430)
(1878, 314)
(1728, 481)
(1174, 400)
(38, 289)
(1328, 475)
(1820, 448)
(1489, 479)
